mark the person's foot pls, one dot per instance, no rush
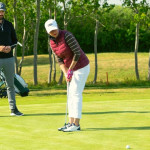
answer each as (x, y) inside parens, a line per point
(72, 128)
(64, 127)
(16, 112)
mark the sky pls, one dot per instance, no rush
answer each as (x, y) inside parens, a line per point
(118, 2)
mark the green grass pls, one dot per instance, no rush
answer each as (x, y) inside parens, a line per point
(112, 119)
(120, 68)
(114, 115)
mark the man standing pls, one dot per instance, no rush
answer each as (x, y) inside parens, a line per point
(7, 39)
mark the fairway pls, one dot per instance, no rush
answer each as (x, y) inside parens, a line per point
(112, 119)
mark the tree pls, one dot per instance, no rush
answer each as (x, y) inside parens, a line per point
(49, 49)
(36, 41)
(97, 9)
(65, 27)
(149, 67)
(24, 7)
(48, 6)
(140, 10)
(15, 26)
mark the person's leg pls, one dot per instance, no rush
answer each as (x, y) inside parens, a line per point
(76, 121)
(79, 80)
(77, 85)
(9, 72)
(70, 104)
(71, 120)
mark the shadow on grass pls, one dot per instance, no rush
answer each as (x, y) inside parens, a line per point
(84, 113)
(49, 94)
(119, 128)
(114, 112)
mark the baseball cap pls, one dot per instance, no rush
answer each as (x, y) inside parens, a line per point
(50, 25)
(2, 6)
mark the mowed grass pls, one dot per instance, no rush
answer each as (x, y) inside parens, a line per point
(119, 66)
(112, 119)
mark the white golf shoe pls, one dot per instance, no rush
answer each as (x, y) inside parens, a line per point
(64, 127)
(72, 128)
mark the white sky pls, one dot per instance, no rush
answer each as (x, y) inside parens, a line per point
(119, 2)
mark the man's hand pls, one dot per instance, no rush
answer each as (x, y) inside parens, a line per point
(7, 49)
(2, 48)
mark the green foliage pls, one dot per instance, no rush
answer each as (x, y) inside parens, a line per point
(116, 31)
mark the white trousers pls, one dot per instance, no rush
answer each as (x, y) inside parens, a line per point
(76, 88)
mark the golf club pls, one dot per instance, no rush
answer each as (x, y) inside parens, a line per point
(68, 84)
(18, 43)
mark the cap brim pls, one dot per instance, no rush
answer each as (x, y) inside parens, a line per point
(3, 9)
(51, 29)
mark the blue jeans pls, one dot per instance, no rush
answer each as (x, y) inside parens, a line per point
(7, 64)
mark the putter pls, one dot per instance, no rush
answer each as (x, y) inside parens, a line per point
(18, 43)
(68, 84)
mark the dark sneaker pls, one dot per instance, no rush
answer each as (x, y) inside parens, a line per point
(64, 127)
(72, 128)
(16, 112)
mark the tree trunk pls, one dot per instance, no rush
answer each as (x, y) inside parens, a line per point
(136, 50)
(50, 55)
(55, 10)
(95, 50)
(54, 62)
(149, 67)
(65, 28)
(36, 42)
(51, 65)
(15, 26)
(23, 44)
(54, 65)
(65, 17)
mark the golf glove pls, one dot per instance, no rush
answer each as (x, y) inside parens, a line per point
(69, 74)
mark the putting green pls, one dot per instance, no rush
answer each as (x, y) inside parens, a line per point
(108, 122)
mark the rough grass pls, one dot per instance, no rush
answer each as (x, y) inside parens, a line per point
(120, 68)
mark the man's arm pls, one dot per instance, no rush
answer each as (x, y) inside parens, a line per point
(7, 49)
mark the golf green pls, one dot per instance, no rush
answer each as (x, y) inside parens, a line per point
(110, 121)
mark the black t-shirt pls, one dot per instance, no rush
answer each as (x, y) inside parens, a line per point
(7, 37)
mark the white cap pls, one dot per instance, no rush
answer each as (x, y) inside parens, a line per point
(50, 25)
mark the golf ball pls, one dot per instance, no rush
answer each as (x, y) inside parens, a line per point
(128, 147)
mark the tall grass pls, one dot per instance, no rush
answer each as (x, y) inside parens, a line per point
(119, 66)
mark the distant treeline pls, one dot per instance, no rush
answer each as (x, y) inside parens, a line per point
(117, 34)
(116, 31)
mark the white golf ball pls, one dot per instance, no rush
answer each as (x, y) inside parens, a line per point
(128, 147)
